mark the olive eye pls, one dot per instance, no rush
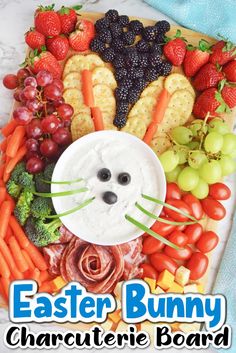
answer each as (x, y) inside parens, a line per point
(104, 174)
(124, 178)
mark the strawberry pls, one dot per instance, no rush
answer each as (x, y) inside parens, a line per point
(222, 52)
(230, 71)
(196, 57)
(58, 46)
(206, 102)
(82, 36)
(47, 21)
(229, 95)
(34, 39)
(208, 76)
(175, 49)
(45, 61)
(68, 18)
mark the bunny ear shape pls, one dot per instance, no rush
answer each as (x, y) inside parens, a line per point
(65, 182)
(73, 210)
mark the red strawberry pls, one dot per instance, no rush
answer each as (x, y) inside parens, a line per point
(208, 76)
(206, 102)
(58, 46)
(222, 52)
(68, 18)
(175, 49)
(230, 71)
(34, 39)
(229, 95)
(46, 61)
(195, 58)
(82, 36)
(47, 21)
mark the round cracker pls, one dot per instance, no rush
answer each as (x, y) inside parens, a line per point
(152, 91)
(176, 82)
(103, 75)
(75, 63)
(182, 101)
(160, 143)
(81, 125)
(108, 118)
(93, 60)
(171, 119)
(135, 126)
(144, 107)
(104, 98)
(72, 80)
(74, 97)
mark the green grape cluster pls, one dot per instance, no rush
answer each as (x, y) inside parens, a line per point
(201, 154)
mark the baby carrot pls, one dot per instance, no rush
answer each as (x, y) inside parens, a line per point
(15, 141)
(44, 276)
(5, 284)
(46, 287)
(18, 157)
(151, 130)
(2, 168)
(35, 275)
(87, 88)
(97, 118)
(19, 233)
(9, 128)
(28, 259)
(12, 202)
(36, 257)
(2, 292)
(4, 269)
(8, 234)
(3, 145)
(3, 192)
(9, 260)
(17, 255)
(5, 212)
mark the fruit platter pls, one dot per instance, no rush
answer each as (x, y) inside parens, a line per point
(114, 157)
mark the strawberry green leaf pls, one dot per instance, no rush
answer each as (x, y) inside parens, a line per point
(204, 45)
(190, 47)
(220, 87)
(77, 7)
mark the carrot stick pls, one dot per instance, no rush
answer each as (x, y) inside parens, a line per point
(18, 157)
(12, 202)
(5, 284)
(3, 192)
(46, 287)
(152, 128)
(2, 292)
(28, 260)
(15, 141)
(36, 257)
(2, 168)
(19, 233)
(9, 128)
(2, 184)
(97, 118)
(160, 108)
(3, 145)
(5, 212)
(17, 255)
(35, 275)
(6, 176)
(9, 260)
(8, 234)
(44, 276)
(87, 88)
(4, 269)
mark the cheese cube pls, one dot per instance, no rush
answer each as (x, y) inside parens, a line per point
(115, 316)
(158, 290)
(175, 326)
(165, 279)
(191, 288)
(151, 282)
(175, 288)
(122, 326)
(107, 325)
(200, 288)
(182, 275)
(118, 289)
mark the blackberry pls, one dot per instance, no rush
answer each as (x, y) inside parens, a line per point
(105, 36)
(158, 67)
(142, 46)
(128, 38)
(118, 44)
(122, 107)
(162, 26)
(123, 20)
(151, 74)
(140, 83)
(101, 24)
(136, 72)
(143, 60)
(116, 29)
(150, 33)
(166, 68)
(108, 54)
(156, 48)
(121, 93)
(119, 61)
(120, 120)
(132, 59)
(133, 95)
(120, 73)
(160, 38)
(97, 46)
(112, 15)
(136, 26)
(126, 83)
(154, 59)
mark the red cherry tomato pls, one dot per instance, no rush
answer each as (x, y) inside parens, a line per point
(207, 242)
(219, 191)
(149, 271)
(181, 205)
(213, 208)
(181, 254)
(194, 204)
(178, 238)
(163, 229)
(163, 262)
(173, 191)
(197, 264)
(193, 232)
(181, 228)
(151, 245)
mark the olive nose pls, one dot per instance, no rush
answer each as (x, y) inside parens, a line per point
(109, 197)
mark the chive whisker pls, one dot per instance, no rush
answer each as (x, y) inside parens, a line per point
(62, 182)
(62, 193)
(72, 210)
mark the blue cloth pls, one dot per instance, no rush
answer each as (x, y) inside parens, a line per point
(207, 16)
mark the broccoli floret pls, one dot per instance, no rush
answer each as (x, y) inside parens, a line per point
(40, 185)
(22, 209)
(48, 171)
(18, 170)
(41, 207)
(26, 180)
(13, 189)
(40, 233)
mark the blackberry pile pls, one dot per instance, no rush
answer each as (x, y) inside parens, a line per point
(136, 63)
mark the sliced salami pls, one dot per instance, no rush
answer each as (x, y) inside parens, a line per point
(53, 254)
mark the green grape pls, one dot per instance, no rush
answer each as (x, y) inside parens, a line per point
(182, 152)
(188, 179)
(218, 125)
(182, 135)
(196, 127)
(213, 142)
(172, 176)
(228, 165)
(169, 160)
(233, 154)
(211, 172)
(194, 145)
(196, 159)
(201, 190)
(229, 143)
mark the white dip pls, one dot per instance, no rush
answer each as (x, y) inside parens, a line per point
(119, 152)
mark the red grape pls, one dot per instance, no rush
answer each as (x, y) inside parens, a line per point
(50, 124)
(65, 111)
(10, 81)
(34, 165)
(32, 145)
(50, 108)
(58, 83)
(34, 129)
(52, 92)
(34, 105)
(62, 136)
(22, 115)
(22, 74)
(29, 92)
(30, 81)
(30, 154)
(59, 102)
(44, 78)
(17, 95)
(49, 148)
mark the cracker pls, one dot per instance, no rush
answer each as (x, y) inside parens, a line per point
(72, 80)
(75, 63)
(94, 60)
(182, 101)
(158, 82)
(135, 126)
(81, 125)
(108, 118)
(176, 82)
(104, 98)
(74, 97)
(152, 91)
(103, 75)
(143, 107)
(160, 143)
(172, 118)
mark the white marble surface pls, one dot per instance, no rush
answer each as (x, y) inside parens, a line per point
(16, 16)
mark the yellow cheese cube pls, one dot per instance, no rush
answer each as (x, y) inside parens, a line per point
(118, 289)
(158, 290)
(175, 288)
(115, 316)
(107, 325)
(151, 282)
(200, 288)
(58, 282)
(182, 275)
(191, 288)
(165, 279)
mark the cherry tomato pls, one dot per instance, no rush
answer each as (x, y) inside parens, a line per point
(219, 191)
(181, 205)
(163, 262)
(178, 238)
(213, 208)
(207, 242)
(151, 245)
(181, 228)
(197, 264)
(194, 204)
(163, 229)
(181, 254)
(173, 191)
(149, 271)
(193, 232)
